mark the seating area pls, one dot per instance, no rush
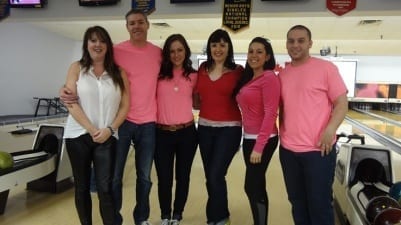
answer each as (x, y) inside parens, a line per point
(52, 105)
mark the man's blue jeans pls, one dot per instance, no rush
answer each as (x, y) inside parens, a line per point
(217, 145)
(309, 178)
(143, 136)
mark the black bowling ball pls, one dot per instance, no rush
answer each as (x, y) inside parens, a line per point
(390, 216)
(377, 204)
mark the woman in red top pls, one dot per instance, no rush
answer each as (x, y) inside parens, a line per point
(219, 125)
(258, 95)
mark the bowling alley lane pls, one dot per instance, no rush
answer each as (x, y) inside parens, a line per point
(390, 115)
(379, 125)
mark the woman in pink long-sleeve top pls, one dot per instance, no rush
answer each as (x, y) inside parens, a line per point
(258, 95)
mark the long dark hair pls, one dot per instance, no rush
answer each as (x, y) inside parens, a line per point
(109, 65)
(247, 74)
(215, 37)
(166, 69)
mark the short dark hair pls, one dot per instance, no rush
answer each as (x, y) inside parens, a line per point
(136, 11)
(301, 27)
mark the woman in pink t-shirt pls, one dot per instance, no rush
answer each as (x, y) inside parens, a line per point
(176, 136)
(258, 95)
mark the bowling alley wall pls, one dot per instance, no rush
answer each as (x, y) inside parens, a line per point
(34, 61)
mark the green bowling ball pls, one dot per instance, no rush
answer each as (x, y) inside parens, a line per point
(395, 191)
(6, 160)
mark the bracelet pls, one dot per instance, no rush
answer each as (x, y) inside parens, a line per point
(111, 130)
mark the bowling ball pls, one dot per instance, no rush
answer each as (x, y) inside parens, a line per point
(395, 191)
(6, 160)
(390, 216)
(377, 205)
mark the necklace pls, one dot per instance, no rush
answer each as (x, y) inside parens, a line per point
(176, 82)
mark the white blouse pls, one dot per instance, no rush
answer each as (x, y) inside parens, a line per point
(99, 98)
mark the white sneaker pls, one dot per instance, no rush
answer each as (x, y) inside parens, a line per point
(165, 222)
(174, 222)
(145, 223)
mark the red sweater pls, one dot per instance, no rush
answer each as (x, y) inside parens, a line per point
(216, 97)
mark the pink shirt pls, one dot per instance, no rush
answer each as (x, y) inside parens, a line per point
(216, 100)
(307, 93)
(142, 66)
(259, 100)
(174, 99)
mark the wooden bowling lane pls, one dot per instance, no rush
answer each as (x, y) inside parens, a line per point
(379, 125)
(390, 115)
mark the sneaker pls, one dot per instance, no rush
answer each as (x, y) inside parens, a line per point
(174, 222)
(165, 222)
(224, 222)
(145, 223)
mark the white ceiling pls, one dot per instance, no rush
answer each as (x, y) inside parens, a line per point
(345, 33)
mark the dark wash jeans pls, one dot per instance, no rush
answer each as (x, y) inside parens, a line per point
(217, 145)
(309, 178)
(255, 179)
(143, 136)
(179, 147)
(82, 152)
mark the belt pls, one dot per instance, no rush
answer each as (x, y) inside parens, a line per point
(174, 127)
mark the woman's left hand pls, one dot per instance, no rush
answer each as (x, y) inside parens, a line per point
(101, 135)
(255, 157)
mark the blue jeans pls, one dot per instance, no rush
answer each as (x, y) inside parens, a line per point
(309, 178)
(143, 136)
(218, 146)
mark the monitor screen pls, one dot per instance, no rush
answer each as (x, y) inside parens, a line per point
(27, 3)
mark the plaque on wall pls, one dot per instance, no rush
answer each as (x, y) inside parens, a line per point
(147, 6)
(97, 2)
(4, 9)
(341, 7)
(236, 14)
(189, 1)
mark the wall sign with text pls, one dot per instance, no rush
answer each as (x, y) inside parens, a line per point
(341, 7)
(236, 14)
(147, 6)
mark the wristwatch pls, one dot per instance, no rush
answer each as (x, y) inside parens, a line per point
(111, 130)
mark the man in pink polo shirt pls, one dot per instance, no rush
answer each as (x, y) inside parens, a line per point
(314, 103)
(141, 60)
